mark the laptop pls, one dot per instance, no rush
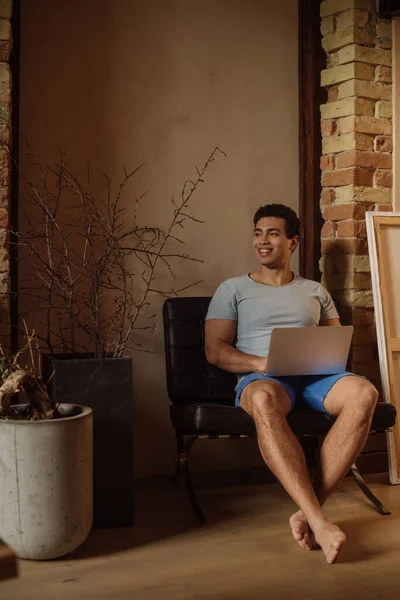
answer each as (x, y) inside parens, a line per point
(309, 350)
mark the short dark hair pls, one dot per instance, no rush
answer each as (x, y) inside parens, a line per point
(283, 212)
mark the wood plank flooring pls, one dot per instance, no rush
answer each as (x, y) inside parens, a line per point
(245, 552)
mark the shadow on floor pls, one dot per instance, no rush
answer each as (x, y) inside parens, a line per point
(361, 534)
(162, 510)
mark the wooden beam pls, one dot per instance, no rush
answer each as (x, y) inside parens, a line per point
(15, 174)
(311, 95)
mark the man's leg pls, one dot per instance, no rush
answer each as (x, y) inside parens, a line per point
(269, 404)
(352, 400)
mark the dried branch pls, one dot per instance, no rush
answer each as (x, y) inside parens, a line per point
(86, 252)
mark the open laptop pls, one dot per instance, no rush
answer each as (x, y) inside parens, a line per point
(309, 350)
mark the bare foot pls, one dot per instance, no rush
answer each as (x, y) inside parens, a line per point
(331, 540)
(301, 530)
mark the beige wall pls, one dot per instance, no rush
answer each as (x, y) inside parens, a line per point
(164, 82)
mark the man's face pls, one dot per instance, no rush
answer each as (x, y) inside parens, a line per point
(272, 247)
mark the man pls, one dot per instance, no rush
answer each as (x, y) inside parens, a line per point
(248, 307)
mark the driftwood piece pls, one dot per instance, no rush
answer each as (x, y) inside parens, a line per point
(12, 385)
(40, 404)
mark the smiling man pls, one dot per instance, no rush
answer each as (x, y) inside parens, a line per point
(247, 308)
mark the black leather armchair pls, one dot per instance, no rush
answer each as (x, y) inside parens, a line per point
(202, 395)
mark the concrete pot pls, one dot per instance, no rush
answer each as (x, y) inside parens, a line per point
(46, 485)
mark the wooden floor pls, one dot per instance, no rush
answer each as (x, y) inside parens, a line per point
(246, 552)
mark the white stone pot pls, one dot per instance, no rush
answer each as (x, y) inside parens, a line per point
(46, 473)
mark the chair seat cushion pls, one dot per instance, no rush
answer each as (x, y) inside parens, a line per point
(219, 419)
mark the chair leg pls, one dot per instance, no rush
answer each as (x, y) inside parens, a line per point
(184, 448)
(362, 484)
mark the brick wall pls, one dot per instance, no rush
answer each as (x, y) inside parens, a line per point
(5, 141)
(356, 162)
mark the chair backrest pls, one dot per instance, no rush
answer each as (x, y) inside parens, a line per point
(190, 378)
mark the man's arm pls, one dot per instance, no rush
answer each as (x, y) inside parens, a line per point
(220, 352)
(330, 323)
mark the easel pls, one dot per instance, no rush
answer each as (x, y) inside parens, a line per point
(383, 231)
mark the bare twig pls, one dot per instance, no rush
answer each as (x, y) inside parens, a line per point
(86, 252)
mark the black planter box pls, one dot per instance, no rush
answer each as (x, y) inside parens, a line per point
(105, 385)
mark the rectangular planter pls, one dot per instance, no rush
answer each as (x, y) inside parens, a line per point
(105, 385)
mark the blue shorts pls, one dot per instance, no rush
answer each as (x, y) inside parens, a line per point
(305, 391)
